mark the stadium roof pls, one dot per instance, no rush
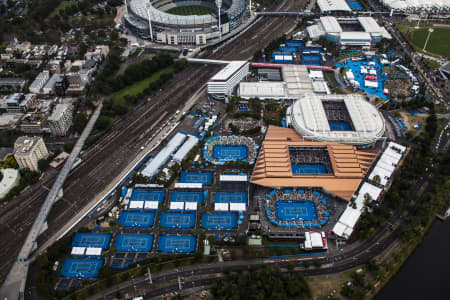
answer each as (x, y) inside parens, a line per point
(309, 119)
(330, 24)
(273, 166)
(333, 5)
(417, 5)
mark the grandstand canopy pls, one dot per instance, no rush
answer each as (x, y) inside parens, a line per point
(136, 204)
(188, 185)
(93, 251)
(151, 204)
(273, 167)
(238, 207)
(78, 250)
(221, 206)
(333, 5)
(177, 205)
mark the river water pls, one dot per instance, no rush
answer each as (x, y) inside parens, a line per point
(426, 273)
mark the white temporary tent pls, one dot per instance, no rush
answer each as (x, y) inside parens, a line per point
(136, 204)
(190, 206)
(238, 207)
(151, 205)
(93, 251)
(78, 250)
(221, 206)
(177, 205)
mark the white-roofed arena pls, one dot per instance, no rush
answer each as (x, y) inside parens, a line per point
(436, 6)
(347, 119)
(185, 28)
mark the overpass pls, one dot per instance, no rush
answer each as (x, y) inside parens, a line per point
(319, 14)
(14, 286)
(208, 61)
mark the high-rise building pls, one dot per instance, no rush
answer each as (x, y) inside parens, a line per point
(61, 119)
(28, 151)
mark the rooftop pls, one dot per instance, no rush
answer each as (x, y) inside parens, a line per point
(24, 144)
(59, 111)
(273, 166)
(228, 70)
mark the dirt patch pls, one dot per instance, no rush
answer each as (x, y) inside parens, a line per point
(411, 120)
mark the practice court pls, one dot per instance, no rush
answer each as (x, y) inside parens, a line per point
(177, 244)
(293, 210)
(300, 169)
(81, 268)
(177, 220)
(230, 198)
(148, 195)
(230, 152)
(91, 240)
(134, 243)
(189, 177)
(136, 219)
(219, 221)
(187, 197)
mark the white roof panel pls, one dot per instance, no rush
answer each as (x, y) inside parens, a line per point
(136, 204)
(330, 25)
(238, 207)
(229, 70)
(333, 5)
(187, 185)
(94, 251)
(78, 250)
(190, 206)
(221, 206)
(177, 205)
(242, 178)
(151, 204)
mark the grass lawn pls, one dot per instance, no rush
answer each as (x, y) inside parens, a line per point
(140, 86)
(62, 5)
(191, 10)
(439, 42)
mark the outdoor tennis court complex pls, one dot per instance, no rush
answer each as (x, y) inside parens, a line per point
(220, 221)
(177, 243)
(190, 177)
(292, 210)
(137, 219)
(148, 195)
(91, 240)
(134, 243)
(177, 220)
(81, 268)
(230, 152)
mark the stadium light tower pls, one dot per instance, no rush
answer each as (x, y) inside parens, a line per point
(430, 30)
(126, 7)
(219, 4)
(149, 20)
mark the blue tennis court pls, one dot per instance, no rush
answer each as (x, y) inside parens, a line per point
(148, 195)
(230, 198)
(339, 126)
(220, 221)
(187, 197)
(188, 177)
(300, 169)
(134, 243)
(230, 152)
(312, 60)
(177, 220)
(243, 107)
(91, 240)
(177, 244)
(355, 5)
(293, 210)
(81, 268)
(136, 219)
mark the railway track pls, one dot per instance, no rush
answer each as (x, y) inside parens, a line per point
(112, 153)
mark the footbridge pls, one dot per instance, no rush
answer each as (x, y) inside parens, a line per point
(14, 285)
(208, 61)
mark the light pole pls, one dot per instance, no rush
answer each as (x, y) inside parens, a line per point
(430, 30)
(219, 4)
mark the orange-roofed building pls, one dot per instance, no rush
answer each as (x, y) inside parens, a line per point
(342, 166)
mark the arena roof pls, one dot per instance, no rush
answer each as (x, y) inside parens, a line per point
(273, 166)
(333, 5)
(262, 89)
(330, 24)
(416, 5)
(309, 119)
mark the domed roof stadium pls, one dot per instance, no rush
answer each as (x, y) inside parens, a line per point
(347, 119)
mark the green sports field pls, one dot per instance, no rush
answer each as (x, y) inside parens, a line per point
(439, 42)
(191, 10)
